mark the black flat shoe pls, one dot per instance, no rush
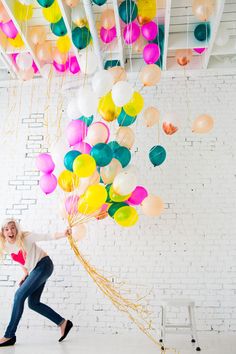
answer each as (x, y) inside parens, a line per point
(68, 327)
(8, 342)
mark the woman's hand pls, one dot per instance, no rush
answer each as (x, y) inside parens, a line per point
(68, 231)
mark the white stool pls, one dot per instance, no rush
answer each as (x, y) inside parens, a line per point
(191, 325)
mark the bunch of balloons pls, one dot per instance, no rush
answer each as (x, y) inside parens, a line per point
(8, 28)
(108, 26)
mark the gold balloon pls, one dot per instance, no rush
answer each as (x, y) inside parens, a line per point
(150, 75)
(63, 44)
(152, 205)
(203, 124)
(22, 12)
(108, 19)
(147, 10)
(118, 73)
(16, 42)
(109, 172)
(68, 181)
(125, 137)
(203, 9)
(151, 116)
(183, 56)
(53, 13)
(107, 108)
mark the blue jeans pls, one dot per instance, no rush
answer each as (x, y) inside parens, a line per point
(32, 289)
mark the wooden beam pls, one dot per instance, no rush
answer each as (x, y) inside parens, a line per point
(167, 27)
(118, 32)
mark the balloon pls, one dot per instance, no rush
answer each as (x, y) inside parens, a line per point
(125, 137)
(124, 119)
(72, 110)
(26, 2)
(139, 45)
(9, 29)
(147, 10)
(68, 181)
(138, 195)
(96, 195)
(126, 216)
(60, 67)
(81, 37)
(78, 15)
(203, 9)
(102, 154)
(83, 147)
(107, 108)
(58, 150)
(44, 51)
(123, 155)
(199, 50)
(27, 74)
(169, 124)
(88, 61)
(109, 172)
(98, 133)
(69, 159)
(58, 57)
(151, 53)
(150, 75)
(46, 3)
(99, 2)
(128, 11)
(124, 182)
(37, 34)
(16, 42)
(22, 12)
(48, 183)
(71, 3)
(121, 93)
(157, 155)
(149, 30)
(44, 163)
(131, 33)
(63, 44)
(88, 181)
(107, 35)
(203, 124)
(87, 120)
(202, 32)
(71, 204)
(34, 66)
(118, 73)
(114, 207)
(59, 28)
(152, 206)
(53, 13)
(4, 17)
(113, 145)
(87, 101)
(84, 165)
(76, 131)
(79, 232)
(115, 197)
(108, 19)
(24, 61)
(222, 36)
(85, 208)
(102, 82)
(151, 116)
(183, 56)
(135, 105)
(103, 213)
(73, 65)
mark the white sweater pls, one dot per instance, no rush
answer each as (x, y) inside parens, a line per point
(31, 254)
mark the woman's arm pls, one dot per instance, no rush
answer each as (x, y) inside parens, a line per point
(59, 235)
(49, 237)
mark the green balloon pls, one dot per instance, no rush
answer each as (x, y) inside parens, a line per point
(87, 120)
(202, 32)
(113, 145)
(99, 2)
(157, 155)
(114, 207)
(45, 3)
(108, 187)
(102, 154)
(69, 159)
(59, 28)
(124, 119)
(128, 11)
(81, 37)
(123, 155)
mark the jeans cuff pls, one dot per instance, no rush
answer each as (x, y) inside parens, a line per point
(62, 321)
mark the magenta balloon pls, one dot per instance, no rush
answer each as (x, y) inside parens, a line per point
(14, 55)
(107, 35)
(138, 195)
(44, 163)
(76, 131)
(74, 65)
(199, 50)
(131, 33)
(60, 67)
(48, 183)
(151, 53)
(9, 29)
(34, 66)
(71, 204)
(83, 147)
(149, 30)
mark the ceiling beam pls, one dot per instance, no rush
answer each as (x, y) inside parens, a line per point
(118, 32)
(166, 36)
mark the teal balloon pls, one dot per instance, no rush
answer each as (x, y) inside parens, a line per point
(81, 37)
(202, 32)
(99, 2)
(128, 11)
(157, 155)
(123, 155)
(114, 207)
(59, 28)
(102, 154)
(87, 120)
(124, 119)
(113, 145)
(45, 3)
(108, 200)
(69, 159)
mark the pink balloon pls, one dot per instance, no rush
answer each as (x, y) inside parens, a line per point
(76, 131)
(48, 183)
(74, 65)
(131, 33)
(71, 204)
(199, 50)
(138, 195)
(44, 163)
(83, 147)
(34, 66)
(151, 53)
(14, 55)
(107, 35)
(149, 30)
(60, 67)
(9, 29)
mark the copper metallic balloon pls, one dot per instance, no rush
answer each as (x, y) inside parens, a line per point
(183, 56)
(143, 19)
(152, 205)
(202, 124)
(169, 128)
(118, 73)
(125, 137)
(138, 46)
(203, 9)
(108, 19)
(150, 75)
(151, 116)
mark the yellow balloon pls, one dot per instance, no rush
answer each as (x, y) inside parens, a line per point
(64, 44)
(117, 197)
(135, 105)
(126, 216)
(96, 195)
(147, 10)
(22, 12)
(16, 42)
(84, 207)
(53, 13)
(84, 165)
(107, 108)
(68, 181)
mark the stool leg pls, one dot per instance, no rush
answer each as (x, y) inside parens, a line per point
(193, 327)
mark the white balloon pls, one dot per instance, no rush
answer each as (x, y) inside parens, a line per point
(58, 150)
(72, 110)
(124, 183)
(26, 2)
(24, 61)
(102, 82)
(121, 92)
(87, 61)
(78, 13)
(87, 101)
(222, 36)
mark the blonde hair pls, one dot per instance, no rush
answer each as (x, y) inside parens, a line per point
(20, 235)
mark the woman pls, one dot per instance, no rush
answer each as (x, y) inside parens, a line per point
(37, 267)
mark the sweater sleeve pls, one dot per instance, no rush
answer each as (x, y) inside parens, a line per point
(37, 237)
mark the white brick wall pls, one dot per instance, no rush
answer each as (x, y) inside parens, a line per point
(189, 251)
